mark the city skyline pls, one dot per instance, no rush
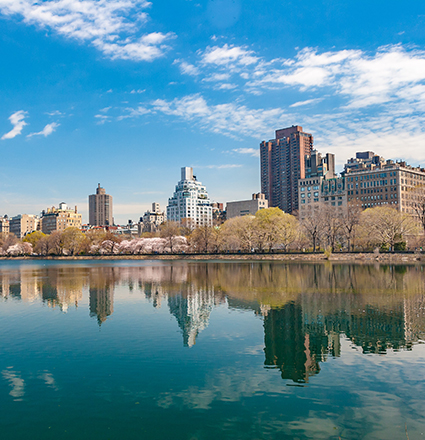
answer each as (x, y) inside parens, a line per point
(127, 93)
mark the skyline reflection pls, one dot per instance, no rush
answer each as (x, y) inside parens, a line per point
(305, 308)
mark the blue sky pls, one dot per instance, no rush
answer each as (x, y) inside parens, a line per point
(125, 92)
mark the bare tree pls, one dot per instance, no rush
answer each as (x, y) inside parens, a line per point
(387, 225)
(349, 222)
(312, 225)
(169, 230)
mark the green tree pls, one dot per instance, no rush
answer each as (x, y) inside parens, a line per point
(33, 238)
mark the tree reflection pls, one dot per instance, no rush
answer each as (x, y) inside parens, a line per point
(305, 307)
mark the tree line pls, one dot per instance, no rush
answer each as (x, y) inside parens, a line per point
(269, 230)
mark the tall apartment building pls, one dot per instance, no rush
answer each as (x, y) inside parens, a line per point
(321, 187)
(58, 219)
(190, 202)
(4, 224)
(100, 208)
(373, 181)
(151, 220)
(24, 224)
(282, 165)
(246, 207)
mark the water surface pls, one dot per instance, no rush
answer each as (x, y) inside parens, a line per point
(194, 350)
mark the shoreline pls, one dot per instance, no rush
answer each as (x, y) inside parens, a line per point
(336, 257)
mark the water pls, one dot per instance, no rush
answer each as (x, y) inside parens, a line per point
(182, 350)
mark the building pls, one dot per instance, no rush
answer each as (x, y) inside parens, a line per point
(58, 219)
(246, 207)
(190, 203)
(151, 220)
(321, 187)
(219, 214)
(24, 224)
(100, 208)
(4, 224)
(372, 181)
(282, 165)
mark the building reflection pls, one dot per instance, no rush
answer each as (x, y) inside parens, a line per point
(101, 292)
(306, 308)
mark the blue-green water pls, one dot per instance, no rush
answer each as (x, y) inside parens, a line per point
(181, 350)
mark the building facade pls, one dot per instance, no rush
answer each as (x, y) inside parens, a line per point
(4, 224)
(246, 207)
(58, 219)
(24, 224)
(372, 181)
(151, 220)
(100, 208)
(190, 203)
(321, 187)
(282, 165)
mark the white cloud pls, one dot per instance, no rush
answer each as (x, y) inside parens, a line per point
(307, 102)
(226, 55)
(134, 113)
(112, 26)
(254, 152)
(138, 91)
(48, 129)
(229, 119)
(186, 68)
(222, 167)
(17, 120)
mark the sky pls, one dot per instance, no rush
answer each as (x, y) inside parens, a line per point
(126, 92)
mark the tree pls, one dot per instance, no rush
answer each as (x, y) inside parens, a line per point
(313, 224)
(387, 226)
(169, 230)
(238, 233)
(332, 225)
(72, 239)
(273, 228)
(7, 240)
(201, 238)
(33, 238)
(349, 223)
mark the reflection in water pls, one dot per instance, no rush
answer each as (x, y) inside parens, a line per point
(305, 307)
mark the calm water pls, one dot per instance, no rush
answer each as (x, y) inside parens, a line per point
(176, 350)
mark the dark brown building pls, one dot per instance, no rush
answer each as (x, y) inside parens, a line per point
(282, 165)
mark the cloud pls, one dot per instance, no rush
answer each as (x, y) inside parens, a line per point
(54, 113)
(112, 26)
(228, 55)
(48, 129)
(186, 68)
(307, 102)
(254, 152)
(17, 120)
(138, 91)
(134, 113)
(222, 167)
(229, 119)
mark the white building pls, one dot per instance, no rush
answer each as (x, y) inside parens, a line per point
(190, 203)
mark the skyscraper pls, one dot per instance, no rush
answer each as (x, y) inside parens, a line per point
(100, 208)
(190, 203)
(282, 164)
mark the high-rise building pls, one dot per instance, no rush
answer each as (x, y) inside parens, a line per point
(24, 224)
(100, 208)
(282, 165)
(190, 203)
(58, 219)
